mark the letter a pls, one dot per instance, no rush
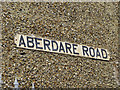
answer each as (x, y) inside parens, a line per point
(22, 41)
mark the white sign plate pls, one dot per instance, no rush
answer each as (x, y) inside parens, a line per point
(43, 44)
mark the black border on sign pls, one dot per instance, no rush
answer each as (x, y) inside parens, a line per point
(62, 54)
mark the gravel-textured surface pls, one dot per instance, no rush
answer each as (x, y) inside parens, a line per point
(93, 24)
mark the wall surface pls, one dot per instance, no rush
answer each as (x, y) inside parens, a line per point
(92, 24)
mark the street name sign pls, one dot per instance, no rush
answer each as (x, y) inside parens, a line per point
(44, 44)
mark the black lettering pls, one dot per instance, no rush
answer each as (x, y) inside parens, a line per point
(22, 41)
(102, 50)
(53, 48)
(30, 40)
(92, 50)
(74, 48)
(46, 44)
(37, 43)
(85, 50)
(61, 47)
(68, 47)
(97, 53)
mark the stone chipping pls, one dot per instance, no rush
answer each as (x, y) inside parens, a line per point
(92, 24)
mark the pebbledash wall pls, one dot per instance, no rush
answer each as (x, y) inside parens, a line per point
(92, 24)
